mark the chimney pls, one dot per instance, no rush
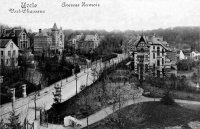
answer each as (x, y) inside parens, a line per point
(40, 30)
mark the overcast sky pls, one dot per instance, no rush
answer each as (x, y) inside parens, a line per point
(111, 15)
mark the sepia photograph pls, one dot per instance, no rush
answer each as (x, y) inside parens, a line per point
(99, 64)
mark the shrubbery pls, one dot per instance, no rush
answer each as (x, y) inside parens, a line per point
(167, 99)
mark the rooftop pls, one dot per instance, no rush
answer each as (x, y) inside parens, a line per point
(4, 42)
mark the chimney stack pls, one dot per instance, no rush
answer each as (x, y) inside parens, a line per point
(40, 30)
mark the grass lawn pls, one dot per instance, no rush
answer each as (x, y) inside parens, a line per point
(159, 92)
(152, 115)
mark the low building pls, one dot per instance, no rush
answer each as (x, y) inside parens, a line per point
(76, 41)
(184, 54)
(91, 42)
(9, 53)
(195, 55)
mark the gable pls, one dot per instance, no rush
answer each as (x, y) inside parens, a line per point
(13, 45)
(23, 31)
(142, 45)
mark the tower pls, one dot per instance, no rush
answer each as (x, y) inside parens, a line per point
(57, 38)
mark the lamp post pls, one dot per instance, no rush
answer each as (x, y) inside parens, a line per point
(1, 79)
(76, 78)
(12, 90)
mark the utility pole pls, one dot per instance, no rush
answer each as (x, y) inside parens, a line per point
(76, 78)
(87, 79)
(35, 106)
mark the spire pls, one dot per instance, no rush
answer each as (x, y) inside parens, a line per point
(55, 27)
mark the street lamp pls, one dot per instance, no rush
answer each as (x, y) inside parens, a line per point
(76, 78)
(1, 79)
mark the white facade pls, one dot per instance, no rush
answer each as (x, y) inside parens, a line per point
(157, 58)
(181, 55)
(195, 55)
(9, 53)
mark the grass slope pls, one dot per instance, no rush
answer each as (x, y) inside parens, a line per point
(152, 115)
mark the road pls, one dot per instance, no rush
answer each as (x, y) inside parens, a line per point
(25, 106)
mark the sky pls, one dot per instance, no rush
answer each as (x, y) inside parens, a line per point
(110, 15)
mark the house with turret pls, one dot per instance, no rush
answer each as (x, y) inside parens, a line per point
(152, 56)
(49, 43)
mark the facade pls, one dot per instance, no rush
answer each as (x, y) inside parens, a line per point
(9, 53)
(181, 55)
(151, 56)
(158, 49)
(19, 36)
(91, 41)
(195, 55)
(76, 41)
(42, 43)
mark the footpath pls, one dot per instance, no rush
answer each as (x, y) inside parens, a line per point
(100, 115)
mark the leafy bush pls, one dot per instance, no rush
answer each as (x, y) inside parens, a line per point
(167, 99)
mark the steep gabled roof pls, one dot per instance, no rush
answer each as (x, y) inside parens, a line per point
(142, 39)
(4, 42)
(15, 32)
(186, 52)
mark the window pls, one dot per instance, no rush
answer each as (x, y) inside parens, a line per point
(13, 52)
(158, 73)
(158, 51)
(154, 55)
(11, 45)
(1, 53)
(2, 61)
(24, 36)
(153, 47)
(146, 68)
(163, 71)
(163, 51)
(163, 61)
(9, 53)
(158, 62)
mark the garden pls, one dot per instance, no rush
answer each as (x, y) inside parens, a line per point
(103, 92)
